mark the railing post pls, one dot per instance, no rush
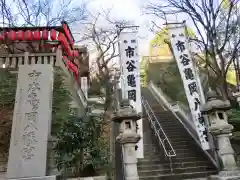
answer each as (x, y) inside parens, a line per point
(26, 57)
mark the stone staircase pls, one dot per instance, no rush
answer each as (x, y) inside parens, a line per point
(190, 161)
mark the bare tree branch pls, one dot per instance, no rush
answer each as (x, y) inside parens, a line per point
(41, 12)
(103, 35)
(216, 27)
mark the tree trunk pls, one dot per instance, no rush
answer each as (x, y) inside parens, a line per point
(108, 96)
(223, 88)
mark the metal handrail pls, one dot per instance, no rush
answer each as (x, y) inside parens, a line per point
(185, 122)
(158, 130)
(159, 94)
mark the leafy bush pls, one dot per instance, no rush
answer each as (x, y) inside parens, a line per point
(79, 140)
(80, 144)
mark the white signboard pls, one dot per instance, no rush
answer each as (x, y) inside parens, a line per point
(183, 57)
(84, 86)
(130, 77)
(31, 122)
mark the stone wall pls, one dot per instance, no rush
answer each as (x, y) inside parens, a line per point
(3, 166)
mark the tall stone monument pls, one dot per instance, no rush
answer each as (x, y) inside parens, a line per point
(31, 122)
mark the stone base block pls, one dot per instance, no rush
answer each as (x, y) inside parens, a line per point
(226, 175)
(38, 178)
(89, 178)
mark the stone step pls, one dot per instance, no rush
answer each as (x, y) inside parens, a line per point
(183, 141)
(177, 133)
(163, 119)
(187, 154)
(168, 124)
(148, 146)
(189, 143)
(144, 166)
(151, 149)
(175, 170)
(174, 135)
(185, 159)
(150, 156)
(182, 160)
(179, 152)
(181, 176)
(181, 146)
(164, 115)
(153, 156)
(173, 129)
(176, 130)
(189, 162)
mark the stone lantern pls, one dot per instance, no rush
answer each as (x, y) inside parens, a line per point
(216, 109)
(128, 137)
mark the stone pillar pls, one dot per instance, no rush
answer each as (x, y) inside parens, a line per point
(128, 138)
(216, 109)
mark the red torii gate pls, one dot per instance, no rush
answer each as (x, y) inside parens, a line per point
(47, 38)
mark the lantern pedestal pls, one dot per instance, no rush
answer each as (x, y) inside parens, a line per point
(128, 138)
(226, 152)
(128, 141)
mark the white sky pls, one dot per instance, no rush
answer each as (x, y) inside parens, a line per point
(127, 10)
(131, 10)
